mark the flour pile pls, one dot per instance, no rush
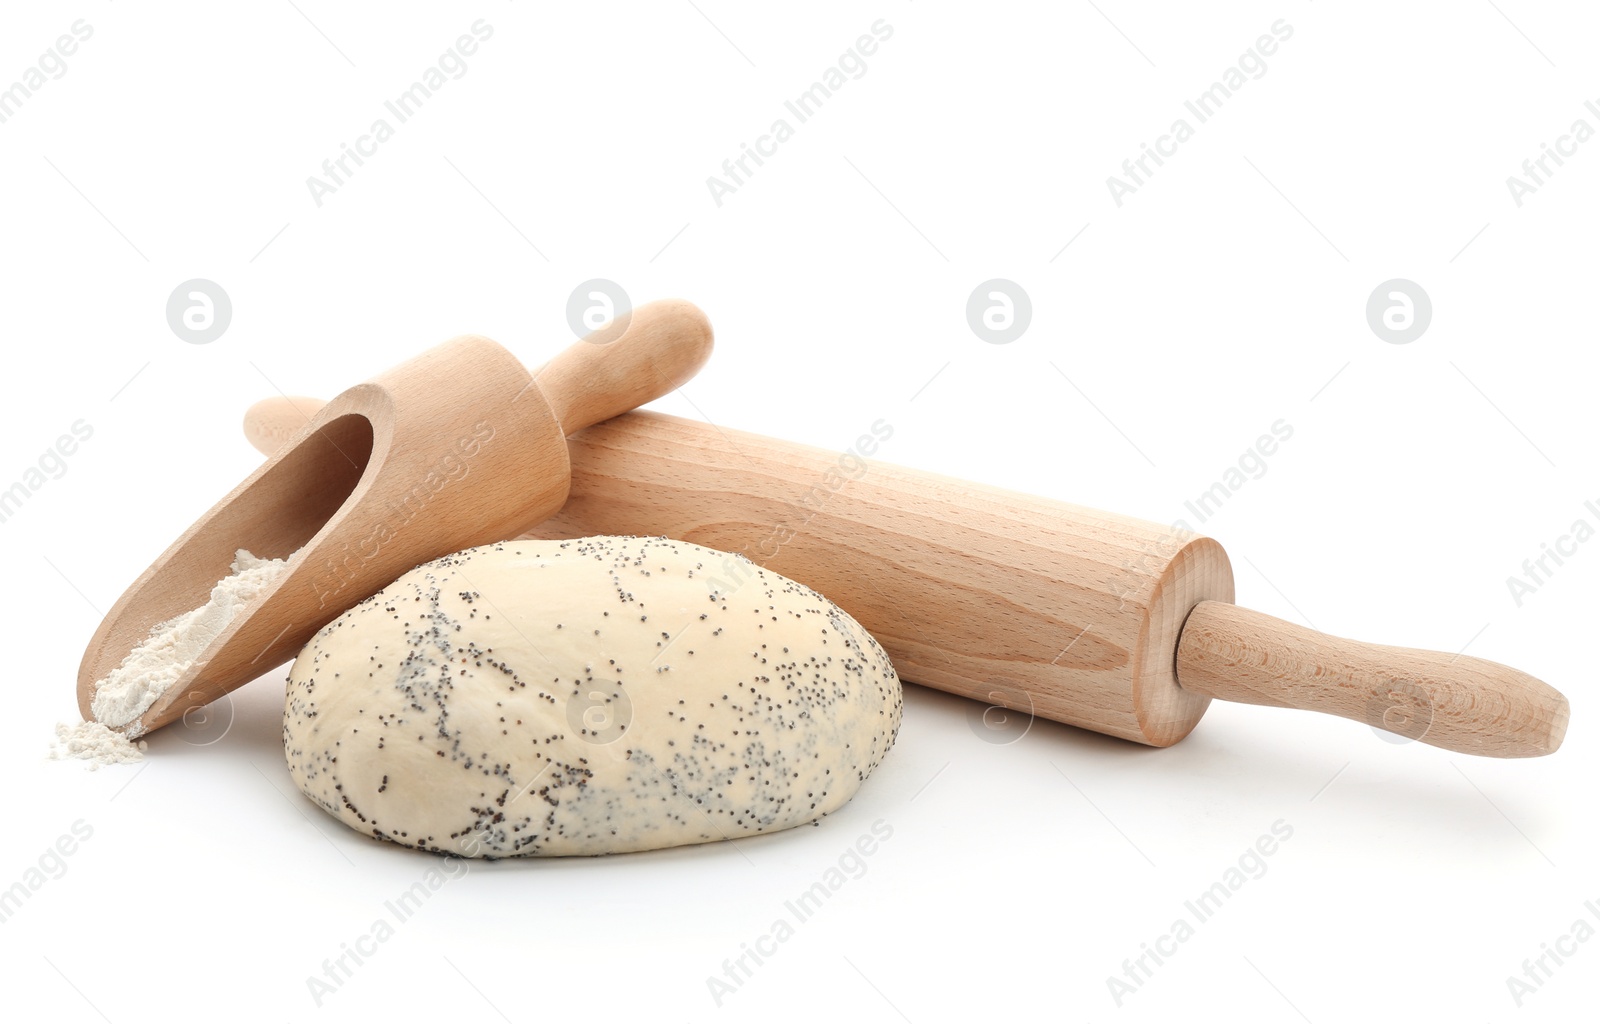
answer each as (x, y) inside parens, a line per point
(159, 661)
(93, 742)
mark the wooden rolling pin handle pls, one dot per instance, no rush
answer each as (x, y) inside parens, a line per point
(1450, 701)
(634, 359)
(271, 422)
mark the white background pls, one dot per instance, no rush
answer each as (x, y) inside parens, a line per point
(1225, 294)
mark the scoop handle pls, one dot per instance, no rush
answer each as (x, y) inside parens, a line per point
(636, 358)
(1451, 701)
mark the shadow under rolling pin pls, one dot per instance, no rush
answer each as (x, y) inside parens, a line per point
(1084, 617)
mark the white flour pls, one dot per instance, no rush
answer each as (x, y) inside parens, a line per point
(158, 662)
(93, 742)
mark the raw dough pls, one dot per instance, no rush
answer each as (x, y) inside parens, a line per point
(589, 696)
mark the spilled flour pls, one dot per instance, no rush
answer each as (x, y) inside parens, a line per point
(93, 742)
(158, 662)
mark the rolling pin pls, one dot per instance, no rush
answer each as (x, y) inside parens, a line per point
(1090, 618)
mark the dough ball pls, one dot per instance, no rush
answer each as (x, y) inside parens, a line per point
(600, 695)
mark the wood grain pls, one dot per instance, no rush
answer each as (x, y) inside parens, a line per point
(1451, 701)
(628, 362)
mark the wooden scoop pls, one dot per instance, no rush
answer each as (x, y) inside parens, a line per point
(457, 447)
(1090, 618)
